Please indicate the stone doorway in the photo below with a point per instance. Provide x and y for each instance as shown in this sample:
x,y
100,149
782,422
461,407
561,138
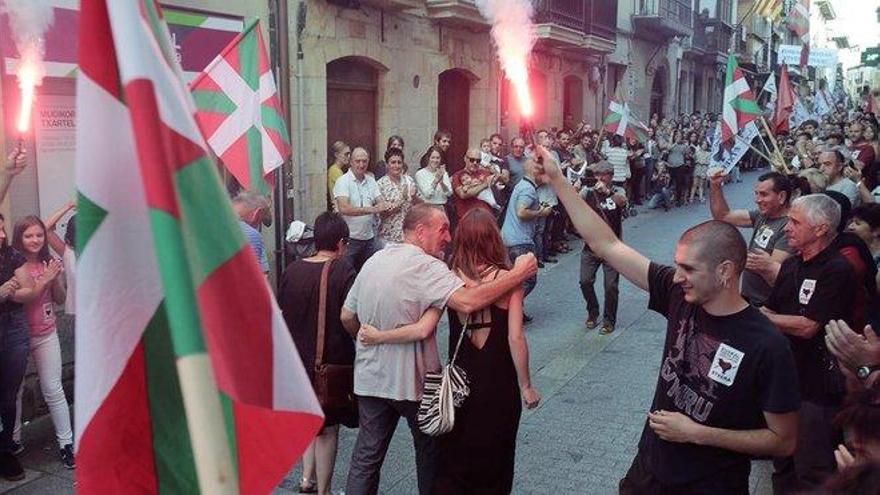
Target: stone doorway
x,y
453,114
658,92
351,104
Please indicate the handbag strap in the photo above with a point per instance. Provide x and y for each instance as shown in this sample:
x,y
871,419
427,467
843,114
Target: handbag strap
x,y
322,313
464,330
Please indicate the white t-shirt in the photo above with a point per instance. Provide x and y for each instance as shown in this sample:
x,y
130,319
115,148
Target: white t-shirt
x,y
360,194
394,288
847,188
618,158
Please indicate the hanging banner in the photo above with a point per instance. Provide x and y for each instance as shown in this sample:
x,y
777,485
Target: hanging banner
x,y
819,57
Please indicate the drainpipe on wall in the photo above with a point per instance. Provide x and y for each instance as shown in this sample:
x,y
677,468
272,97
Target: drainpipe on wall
x,y
301,188
280,58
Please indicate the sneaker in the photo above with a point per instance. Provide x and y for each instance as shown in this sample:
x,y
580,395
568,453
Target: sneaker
x,y
607,328
10,468
67,456
16,447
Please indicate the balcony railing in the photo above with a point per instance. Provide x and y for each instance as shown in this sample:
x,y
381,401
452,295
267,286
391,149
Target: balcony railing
x,y
673,10
664,18
591,17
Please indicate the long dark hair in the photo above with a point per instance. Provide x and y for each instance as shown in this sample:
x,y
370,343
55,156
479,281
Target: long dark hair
x,y
18,236
477,245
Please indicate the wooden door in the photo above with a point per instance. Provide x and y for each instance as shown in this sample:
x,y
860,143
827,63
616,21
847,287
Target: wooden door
x,y
351,105
453,115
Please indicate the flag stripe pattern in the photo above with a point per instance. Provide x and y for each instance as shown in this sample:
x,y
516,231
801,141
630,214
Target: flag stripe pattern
x,y
621,121
239,111
739,107
168,281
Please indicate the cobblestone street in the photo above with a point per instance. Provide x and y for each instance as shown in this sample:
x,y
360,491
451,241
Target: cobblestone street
x,y
596,389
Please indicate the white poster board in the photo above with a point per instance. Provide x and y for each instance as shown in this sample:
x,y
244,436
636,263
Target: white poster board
x,y
55,135
819,57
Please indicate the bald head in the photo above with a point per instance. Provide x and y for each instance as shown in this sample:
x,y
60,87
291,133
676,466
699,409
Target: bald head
x,y
360,160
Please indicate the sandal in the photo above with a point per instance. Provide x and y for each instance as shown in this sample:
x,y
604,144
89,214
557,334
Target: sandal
x,y
308,486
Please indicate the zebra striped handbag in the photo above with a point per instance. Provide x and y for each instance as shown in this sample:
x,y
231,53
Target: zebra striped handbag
x,y
442,393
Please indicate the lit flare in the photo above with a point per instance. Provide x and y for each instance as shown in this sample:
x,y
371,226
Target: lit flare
x,y
27,80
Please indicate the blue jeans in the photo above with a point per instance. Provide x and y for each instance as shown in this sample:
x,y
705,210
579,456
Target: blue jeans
x,y
660,199
516,251
538,240
378,418
14,348
359,251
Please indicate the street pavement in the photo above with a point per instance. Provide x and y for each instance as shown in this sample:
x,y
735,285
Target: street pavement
x,y
596,390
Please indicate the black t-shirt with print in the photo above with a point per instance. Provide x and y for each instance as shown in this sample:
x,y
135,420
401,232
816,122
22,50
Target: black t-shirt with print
x,y
723,372
10,260
820,289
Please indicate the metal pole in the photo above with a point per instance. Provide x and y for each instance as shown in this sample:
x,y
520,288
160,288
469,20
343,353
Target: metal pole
x,y
301,190
280,61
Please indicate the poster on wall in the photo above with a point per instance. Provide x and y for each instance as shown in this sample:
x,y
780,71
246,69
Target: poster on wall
x,y
55,143
198,37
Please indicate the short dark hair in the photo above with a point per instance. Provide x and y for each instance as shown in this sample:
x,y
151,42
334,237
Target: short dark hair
x,y
616,140
394,152
869,213
330,228
418,215
496,135
716,243
393,138
810,122
442,134
70,233
781,183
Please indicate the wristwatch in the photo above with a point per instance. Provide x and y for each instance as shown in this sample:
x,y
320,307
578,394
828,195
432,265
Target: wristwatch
x,y
863,372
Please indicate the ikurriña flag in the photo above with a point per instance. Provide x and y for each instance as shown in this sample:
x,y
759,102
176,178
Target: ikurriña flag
x,y
187,379
239,111
621,121
739,106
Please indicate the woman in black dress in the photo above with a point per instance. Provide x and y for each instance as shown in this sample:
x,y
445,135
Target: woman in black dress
x,y
477,456
298,299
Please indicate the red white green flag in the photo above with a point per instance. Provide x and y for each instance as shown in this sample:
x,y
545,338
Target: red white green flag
x,y
799,24
739,106
187,379
239,111
621,121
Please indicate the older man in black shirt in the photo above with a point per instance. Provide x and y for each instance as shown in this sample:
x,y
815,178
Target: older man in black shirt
x,y
727,388
812,288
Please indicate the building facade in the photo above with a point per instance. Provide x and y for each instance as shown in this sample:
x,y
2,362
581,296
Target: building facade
x,y
377,68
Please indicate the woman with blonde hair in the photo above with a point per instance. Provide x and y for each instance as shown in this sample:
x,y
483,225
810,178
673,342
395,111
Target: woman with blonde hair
x,y
341,160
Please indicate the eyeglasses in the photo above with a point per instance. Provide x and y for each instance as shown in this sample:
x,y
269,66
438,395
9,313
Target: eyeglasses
x,y
473,160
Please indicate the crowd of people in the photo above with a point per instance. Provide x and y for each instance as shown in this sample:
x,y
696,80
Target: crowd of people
x,y
769,349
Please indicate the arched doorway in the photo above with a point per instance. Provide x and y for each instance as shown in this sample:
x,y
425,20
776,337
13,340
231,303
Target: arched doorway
x,y
453,114
658,90
572,99
351,104
538,88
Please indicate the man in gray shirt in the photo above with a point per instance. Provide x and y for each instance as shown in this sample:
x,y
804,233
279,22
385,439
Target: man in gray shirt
x,y
516,160
394,288
832,163
768,247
